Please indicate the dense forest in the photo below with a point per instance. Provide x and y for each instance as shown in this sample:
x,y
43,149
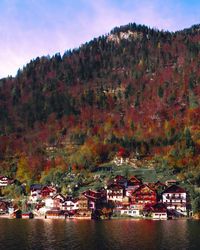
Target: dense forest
x,y
133,91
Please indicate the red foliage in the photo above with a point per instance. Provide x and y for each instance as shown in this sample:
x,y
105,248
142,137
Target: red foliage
x,y
123,153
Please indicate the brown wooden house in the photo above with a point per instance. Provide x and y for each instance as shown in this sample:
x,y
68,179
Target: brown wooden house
x,y
144,195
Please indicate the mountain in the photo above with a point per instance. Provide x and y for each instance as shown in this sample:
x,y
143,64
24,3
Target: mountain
x,y
134,90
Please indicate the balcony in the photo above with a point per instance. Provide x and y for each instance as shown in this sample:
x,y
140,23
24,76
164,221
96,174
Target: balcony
x,y
173,197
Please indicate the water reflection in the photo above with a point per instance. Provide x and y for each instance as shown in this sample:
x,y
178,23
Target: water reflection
x,y
108,234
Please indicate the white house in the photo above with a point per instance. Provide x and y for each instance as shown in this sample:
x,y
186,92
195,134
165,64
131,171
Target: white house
x,y
70,205
175,198
159,211
4,181
127,211
35,193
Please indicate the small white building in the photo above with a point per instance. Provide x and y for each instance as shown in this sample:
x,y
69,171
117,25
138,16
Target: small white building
x,y
35,193
127,211
4,181
159,211
70,205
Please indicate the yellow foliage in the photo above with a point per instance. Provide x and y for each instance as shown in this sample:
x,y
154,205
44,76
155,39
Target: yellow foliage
x,y
108,125
23,175
140,63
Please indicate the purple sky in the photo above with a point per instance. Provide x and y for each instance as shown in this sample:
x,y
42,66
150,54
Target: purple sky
x,y
31,28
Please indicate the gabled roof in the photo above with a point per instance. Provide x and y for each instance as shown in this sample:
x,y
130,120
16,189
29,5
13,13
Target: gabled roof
x,y
174,189
59,196
120,178
133,181
141,187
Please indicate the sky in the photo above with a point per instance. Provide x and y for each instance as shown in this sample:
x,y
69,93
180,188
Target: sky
x,y
32,28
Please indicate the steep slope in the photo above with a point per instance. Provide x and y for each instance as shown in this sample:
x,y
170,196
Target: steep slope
x,y
136,88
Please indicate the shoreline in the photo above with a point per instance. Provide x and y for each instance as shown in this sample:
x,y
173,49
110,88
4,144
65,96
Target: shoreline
x,y
7,216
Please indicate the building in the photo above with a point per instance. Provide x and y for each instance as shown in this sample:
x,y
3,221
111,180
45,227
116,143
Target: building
x,y
144,195
132,184
115,192
54,214
96,199
5,181
35,193
127,211
54,202
70,205
84,210
48,191
116,189
159,211
175,198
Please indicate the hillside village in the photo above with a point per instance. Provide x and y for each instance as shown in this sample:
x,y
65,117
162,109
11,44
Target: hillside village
x,y
121,197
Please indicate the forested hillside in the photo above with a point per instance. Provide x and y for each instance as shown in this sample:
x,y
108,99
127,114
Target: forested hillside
x,y
135,90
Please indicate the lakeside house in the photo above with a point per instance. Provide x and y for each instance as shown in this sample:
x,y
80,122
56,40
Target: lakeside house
x,y
144,195
159,211
175,199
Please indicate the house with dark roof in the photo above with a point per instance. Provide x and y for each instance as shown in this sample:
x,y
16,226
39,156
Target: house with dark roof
x,y
175,198
159,211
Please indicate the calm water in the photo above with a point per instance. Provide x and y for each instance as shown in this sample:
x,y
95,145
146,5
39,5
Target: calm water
x,y
109,234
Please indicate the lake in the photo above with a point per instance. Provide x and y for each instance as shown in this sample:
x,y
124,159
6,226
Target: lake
x,y
106,234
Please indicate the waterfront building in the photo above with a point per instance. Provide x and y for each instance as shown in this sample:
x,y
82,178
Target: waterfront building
x,y
159,211
175,199
144,195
